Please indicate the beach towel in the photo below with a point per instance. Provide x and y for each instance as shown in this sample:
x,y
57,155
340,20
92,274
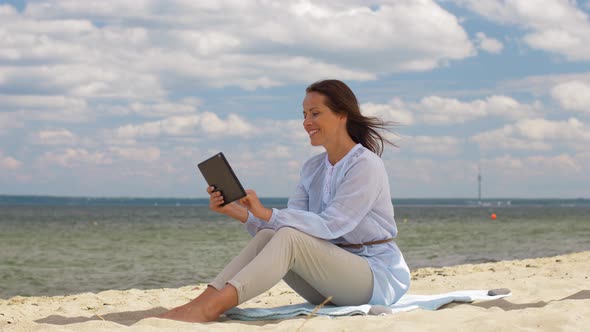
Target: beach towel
x,y
406,303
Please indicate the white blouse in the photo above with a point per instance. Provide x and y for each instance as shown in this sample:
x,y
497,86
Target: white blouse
x,y
348,202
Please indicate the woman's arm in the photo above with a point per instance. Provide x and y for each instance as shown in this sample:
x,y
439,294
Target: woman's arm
x,y
298,201
354,198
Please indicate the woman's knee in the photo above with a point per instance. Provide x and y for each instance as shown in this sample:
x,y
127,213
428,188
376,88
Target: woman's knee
x,y
289,232
265,233
262,238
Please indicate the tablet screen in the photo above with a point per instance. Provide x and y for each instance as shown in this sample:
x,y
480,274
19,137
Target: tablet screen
x,y
218,173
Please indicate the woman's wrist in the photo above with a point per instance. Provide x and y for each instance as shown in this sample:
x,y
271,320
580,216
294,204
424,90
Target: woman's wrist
x,y
240,213
265,214
244,214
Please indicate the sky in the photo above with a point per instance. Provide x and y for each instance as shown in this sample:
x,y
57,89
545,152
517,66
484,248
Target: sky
x,y
124,98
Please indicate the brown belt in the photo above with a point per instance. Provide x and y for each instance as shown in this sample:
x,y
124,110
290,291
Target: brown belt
x,y
358,246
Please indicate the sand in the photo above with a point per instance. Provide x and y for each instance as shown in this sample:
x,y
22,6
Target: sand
x,y
549,294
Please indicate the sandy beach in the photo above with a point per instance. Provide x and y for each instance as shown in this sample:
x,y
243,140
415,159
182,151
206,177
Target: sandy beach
x,y
549,294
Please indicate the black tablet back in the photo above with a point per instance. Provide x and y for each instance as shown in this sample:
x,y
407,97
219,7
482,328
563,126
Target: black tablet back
x,y
218,173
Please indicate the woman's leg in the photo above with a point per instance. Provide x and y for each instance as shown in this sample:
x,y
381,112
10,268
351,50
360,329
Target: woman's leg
x,y
243,258
327,268
303,288
185,312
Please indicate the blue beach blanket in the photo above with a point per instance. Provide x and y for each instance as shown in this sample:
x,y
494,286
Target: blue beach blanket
x,y
406,303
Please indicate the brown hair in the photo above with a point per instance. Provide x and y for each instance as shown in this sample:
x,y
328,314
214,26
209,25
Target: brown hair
x,y
362,129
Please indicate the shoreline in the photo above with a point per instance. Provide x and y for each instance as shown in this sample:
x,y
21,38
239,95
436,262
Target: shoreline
x,y
548,294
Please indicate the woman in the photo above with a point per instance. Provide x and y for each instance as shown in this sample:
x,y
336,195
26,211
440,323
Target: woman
x,y
335,238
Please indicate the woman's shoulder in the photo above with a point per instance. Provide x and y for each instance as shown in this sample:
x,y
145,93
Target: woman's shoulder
x,y
315,161
366,158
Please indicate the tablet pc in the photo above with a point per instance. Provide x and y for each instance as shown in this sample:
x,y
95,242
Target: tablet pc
x,y
218,173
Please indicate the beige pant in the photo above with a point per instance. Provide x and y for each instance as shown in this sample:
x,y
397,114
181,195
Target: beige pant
x,y
314,268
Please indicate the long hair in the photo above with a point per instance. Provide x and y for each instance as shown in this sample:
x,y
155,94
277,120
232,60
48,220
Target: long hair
x,y
362,129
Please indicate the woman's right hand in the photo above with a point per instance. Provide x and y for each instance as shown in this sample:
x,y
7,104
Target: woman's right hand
x,y
232,209
216,200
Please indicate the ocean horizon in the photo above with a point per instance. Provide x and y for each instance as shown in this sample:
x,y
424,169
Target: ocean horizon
x,y
6,199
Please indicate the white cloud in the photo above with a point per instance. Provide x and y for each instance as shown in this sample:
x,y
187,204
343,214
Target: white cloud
x,y
541,84
9,121
487,44
9,163
55,108
443,111
556,26
277,151
75,157
573,95
536,134
20,102
148,154
535,166
139,48
500,139
54,137
433,145
542,129
196,125
436,110
153,109
432,173
285,131
394,111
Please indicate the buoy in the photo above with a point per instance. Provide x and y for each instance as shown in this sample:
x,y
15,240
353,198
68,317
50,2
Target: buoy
x,y
493,216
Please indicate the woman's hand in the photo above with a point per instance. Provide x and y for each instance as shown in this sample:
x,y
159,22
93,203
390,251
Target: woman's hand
x,y
252,203
215,201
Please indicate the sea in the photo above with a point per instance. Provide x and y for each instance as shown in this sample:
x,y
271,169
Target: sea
x,y
69,245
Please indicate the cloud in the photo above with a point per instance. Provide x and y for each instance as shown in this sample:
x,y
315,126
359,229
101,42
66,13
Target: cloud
x,y
434,174
55,108
54,137
557,26
541,84
9,121
571,129
160,109
9,163
20,102
204,123
487,44
72,157
437,110
535,166
500,139
536,134
433,145
112,50
393,111
573,95
148,154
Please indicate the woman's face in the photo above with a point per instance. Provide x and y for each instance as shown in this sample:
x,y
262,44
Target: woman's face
x,y
322,125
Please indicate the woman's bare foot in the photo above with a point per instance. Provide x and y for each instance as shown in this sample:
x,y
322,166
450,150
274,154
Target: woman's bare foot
x,y
190,312
206,308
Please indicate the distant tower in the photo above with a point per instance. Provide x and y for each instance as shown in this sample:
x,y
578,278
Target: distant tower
x,y
479,182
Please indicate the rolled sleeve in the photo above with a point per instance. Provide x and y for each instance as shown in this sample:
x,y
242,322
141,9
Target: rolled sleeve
x,y
253,224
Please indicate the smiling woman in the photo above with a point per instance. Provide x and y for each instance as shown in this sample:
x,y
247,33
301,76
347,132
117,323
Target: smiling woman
x,y
335,240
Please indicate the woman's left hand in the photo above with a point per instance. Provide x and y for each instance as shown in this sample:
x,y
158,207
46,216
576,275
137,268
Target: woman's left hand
x,y
253,204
